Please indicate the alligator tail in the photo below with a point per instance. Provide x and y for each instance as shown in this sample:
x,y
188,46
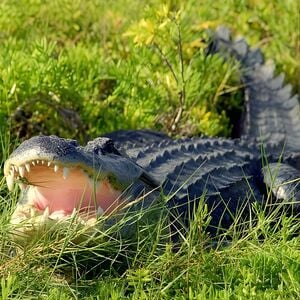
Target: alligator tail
x,y
272,114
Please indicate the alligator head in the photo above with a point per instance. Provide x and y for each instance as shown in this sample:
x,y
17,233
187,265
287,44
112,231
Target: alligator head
x,y
59,177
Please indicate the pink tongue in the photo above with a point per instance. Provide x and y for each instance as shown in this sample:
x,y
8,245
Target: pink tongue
x,y
50,189
62,199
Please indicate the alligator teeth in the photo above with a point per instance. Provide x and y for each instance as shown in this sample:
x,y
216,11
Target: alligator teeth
x,y
73,213
37,162
33,163
27,167
22,186
91,182
100,211
10,181
91,222
22,171
45,215
65,172
57,215
32,212
42,162
56,167
16,168
49,164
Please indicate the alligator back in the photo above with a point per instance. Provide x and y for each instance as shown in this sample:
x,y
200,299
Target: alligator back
x,y
227,173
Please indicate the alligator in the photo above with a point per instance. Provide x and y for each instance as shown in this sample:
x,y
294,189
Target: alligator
x,y
129,170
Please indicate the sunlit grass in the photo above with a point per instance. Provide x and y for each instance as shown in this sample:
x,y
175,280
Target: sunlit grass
x,y
72,68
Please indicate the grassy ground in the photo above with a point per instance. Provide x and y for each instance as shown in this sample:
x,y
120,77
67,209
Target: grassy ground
x,y
81,68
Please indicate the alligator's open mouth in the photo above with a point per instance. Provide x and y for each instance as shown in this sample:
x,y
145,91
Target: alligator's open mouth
x,y
55,191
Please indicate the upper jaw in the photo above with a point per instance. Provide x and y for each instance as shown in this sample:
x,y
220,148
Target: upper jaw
x,y
67,153
18,171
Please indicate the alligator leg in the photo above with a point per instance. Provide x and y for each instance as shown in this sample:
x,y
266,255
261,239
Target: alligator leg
x,y
284,182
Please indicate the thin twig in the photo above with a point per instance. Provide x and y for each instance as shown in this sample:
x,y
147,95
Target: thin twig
x,y
181,63
166,61
182,93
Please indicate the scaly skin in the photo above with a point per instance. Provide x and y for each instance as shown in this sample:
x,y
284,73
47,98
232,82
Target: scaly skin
x,y
230,174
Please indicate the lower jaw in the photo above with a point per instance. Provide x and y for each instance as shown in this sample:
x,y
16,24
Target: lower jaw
x,y
28,212
28,223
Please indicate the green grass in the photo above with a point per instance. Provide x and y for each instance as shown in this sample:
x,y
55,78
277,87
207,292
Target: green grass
x,y
82,68
262,261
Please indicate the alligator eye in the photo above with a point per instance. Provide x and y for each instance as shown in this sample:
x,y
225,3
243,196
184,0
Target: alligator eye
x,y
72,142
102,146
